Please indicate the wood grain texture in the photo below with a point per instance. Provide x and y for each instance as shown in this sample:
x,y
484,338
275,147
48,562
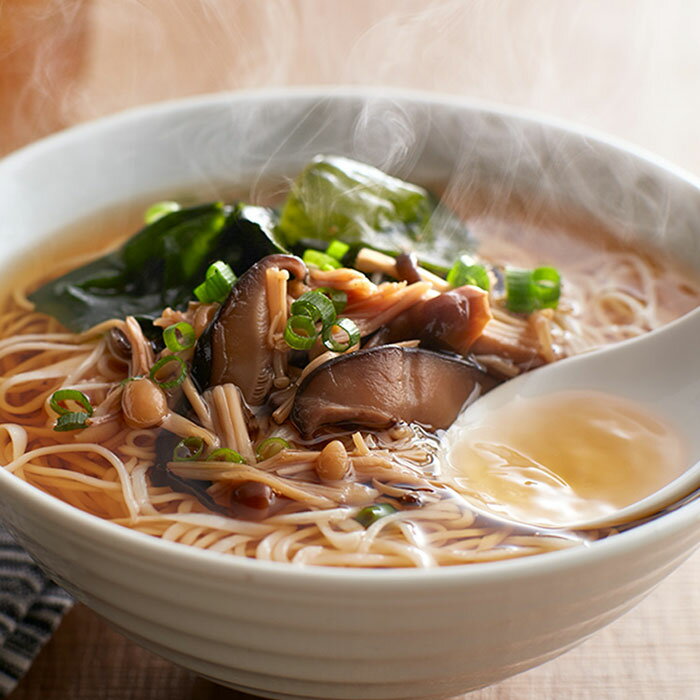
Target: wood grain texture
x,y
630,68
652,653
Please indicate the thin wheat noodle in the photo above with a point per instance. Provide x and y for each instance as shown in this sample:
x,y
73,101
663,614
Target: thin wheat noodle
x,y
600,303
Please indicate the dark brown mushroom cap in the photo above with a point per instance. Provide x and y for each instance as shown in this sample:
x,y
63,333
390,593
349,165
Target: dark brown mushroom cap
x,y
234,346
450,321
407,267
378,387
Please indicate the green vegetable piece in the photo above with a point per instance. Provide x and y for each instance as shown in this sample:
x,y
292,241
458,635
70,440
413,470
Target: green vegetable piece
x,y
58,397
300,333
176,378
520,295
71,421
337,249
315,305
160,265
224,454
335,198
188,449
530,290
466,271
370,514
337,296
349,327
179,337
159,210
548,284
217,285
315,258
270,447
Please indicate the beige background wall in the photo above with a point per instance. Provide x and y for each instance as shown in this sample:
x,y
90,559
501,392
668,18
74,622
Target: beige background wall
x,y
631,67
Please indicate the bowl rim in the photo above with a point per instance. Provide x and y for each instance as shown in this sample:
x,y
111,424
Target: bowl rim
x,y
584,555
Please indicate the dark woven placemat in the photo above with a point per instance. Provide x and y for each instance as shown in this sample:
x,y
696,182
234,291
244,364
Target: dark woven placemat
x,y
31,606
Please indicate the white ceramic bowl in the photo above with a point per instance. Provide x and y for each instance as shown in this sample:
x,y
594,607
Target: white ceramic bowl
x,y
288,632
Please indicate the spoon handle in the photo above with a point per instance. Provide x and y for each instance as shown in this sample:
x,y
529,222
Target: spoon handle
x,y
660,369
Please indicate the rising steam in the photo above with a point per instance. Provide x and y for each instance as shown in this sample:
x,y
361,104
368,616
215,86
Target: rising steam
x,y
616,66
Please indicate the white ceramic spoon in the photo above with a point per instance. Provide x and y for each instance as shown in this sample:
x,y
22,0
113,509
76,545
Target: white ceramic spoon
x,y
659,370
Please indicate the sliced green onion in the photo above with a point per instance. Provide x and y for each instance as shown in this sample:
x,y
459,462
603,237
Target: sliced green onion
x,y
466,271
201,291
62,395
548,283
370,514
529,290
224,454
337,296
124,382
349,327
520,297
71,421
292,332
177,379
337,249
315,305
159,210
188,449
218,283
316,258
270,447
179,337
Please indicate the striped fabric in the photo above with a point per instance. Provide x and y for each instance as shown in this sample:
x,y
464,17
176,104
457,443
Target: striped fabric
x,y
31,606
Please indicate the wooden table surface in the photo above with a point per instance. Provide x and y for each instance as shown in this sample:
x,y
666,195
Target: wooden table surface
x,y
630,68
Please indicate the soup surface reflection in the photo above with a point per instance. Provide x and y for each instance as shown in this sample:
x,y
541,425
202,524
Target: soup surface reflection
x,y
564,458
296,415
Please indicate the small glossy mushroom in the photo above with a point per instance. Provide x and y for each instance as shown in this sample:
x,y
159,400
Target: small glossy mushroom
x,y
118,345
407,267
449,321
332,464
252,500
378,387
144,404
234,347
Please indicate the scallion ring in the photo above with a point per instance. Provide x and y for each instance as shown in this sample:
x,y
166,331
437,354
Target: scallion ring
x,y
62,395
547,281
349,327
337,249
71,421
520,296
370,514
179,337
315,305
224,454
125,381
270,447
217,284
188,449
337,296
529,290
177,379
315,258
296,326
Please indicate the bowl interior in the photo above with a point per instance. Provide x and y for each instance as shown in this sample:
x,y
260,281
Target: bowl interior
x,y
257,141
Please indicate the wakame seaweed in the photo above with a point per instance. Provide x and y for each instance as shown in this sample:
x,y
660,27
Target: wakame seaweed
x,y
160,265
336,198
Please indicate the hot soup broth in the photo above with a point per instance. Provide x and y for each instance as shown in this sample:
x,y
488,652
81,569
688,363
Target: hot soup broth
x,y
291,408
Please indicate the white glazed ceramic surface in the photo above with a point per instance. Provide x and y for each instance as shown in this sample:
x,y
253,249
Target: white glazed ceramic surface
x,y
288,632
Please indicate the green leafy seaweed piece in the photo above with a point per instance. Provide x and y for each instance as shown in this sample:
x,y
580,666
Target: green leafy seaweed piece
x,y
160,265
336,198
